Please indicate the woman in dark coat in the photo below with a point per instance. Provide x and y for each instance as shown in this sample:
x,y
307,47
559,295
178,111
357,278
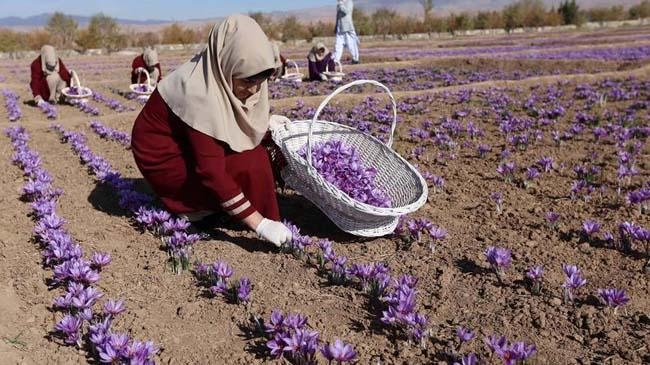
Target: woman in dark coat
x,y
197,141
148,60
48,76
320,59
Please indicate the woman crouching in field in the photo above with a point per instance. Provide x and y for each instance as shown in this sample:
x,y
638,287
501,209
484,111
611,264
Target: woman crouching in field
x,y
197,141
48,76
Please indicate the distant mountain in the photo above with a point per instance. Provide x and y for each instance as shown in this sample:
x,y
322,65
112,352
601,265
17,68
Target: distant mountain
x,y
41,20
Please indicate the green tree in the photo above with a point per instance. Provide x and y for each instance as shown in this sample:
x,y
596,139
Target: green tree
x,y
266,23
383,19
362,22
176,34
62,29
10,41
102,32
292,29
569,11
640,11
458,22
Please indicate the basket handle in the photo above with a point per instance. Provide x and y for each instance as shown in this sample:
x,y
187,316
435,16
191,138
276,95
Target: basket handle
x,y
74,79
340,90
294,65
340,66
144,71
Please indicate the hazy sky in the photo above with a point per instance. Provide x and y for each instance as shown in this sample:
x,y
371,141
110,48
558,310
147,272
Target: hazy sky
x,y
152,9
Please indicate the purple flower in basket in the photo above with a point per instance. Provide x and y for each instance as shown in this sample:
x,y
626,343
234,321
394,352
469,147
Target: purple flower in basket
x,y
143,88
341,166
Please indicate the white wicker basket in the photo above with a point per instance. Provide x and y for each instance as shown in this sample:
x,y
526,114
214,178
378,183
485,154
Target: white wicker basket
x,y
395,176
334,75
83,93
149,87
295,77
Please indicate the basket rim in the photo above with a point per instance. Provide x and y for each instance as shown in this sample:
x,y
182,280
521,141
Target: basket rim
x,y
341,195
134,86
88,92
333,73
292,75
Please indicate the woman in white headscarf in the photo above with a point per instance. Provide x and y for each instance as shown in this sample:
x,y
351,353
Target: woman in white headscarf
x,y
148,60
49,76
319,59
197,141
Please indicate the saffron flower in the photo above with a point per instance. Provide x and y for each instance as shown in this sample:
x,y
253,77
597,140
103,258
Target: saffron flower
x,y
464,335
499,259
470,359
498,200
590,227
339,351
572,282
614,297
536,275
113,308
551,219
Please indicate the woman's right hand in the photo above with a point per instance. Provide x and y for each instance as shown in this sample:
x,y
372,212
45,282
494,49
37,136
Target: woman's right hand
x,y
278,120
274,232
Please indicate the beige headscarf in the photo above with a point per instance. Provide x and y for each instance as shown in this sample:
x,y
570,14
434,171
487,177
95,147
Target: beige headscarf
x,y
313,54
200,91
48,56
150,57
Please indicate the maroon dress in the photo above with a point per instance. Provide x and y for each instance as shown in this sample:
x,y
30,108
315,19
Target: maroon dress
x,y
140,78
191,171
38,82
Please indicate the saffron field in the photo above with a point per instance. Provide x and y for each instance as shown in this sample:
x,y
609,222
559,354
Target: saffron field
x,y
533,247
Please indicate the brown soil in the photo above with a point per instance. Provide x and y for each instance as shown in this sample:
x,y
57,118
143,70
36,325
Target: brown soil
x,y
456,286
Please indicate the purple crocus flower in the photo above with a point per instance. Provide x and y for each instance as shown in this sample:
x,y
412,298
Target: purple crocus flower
x,y
614,297
222,270
590,227
498,200
499,259
244,290
536,276
100,259
464,334
573,281
113,308
552,218
70,326
339,351
470,359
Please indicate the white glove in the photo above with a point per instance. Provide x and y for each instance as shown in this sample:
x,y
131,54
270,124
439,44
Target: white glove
x,y
38,100
323,77
138,70
273,231
278,120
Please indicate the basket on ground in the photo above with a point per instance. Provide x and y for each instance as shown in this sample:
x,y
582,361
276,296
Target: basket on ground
x,y
296,76
403,184
143,90
334,75
75,92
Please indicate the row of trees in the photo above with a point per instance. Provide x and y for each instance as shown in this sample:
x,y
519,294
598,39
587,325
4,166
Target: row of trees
x,y
104,32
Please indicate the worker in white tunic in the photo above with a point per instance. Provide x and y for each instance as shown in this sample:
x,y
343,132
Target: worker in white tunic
x,y
346,36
